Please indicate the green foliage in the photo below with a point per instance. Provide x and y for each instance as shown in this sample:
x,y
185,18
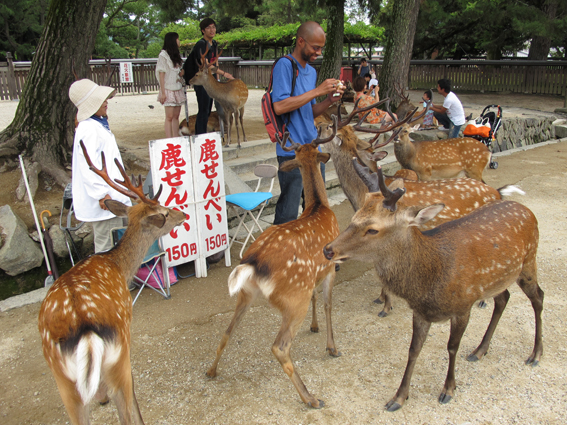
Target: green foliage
x,y
21,23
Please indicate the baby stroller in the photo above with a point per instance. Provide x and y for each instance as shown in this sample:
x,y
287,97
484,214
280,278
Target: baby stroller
x,y
485,127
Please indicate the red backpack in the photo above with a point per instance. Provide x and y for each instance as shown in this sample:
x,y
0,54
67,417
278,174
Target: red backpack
x,y
275,124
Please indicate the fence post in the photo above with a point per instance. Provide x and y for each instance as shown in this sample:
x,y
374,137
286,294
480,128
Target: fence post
x,y
11,78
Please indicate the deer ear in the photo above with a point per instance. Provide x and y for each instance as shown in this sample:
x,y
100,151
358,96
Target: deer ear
x,y
414,128
425,214
292,164
396,184
117,208
157,220
323,157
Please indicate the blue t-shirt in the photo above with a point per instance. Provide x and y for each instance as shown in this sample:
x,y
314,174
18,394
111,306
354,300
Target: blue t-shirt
x,y
300,124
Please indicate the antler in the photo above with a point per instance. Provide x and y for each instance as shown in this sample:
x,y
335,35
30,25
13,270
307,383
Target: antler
x,y
376,182
400,91
283,142
357,110
132,190
384,128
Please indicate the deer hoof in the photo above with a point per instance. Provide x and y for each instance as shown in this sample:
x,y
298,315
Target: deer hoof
x,y
472,358
482,304
445,398
392,406
378,301
382,314
211,373
314,329
319,406
532,361
334,352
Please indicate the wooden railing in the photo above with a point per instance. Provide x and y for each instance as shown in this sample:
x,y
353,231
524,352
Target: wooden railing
x,y
515,76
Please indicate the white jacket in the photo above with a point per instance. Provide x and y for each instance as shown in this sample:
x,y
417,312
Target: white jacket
x,y
172,78
89,188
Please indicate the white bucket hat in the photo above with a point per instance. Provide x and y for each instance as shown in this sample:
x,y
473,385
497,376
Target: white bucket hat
x,y
88,97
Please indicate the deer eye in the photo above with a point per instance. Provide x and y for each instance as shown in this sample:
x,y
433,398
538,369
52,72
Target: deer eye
x,y
371,232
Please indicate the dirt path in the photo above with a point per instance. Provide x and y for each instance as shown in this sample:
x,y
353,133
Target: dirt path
x,y
173,344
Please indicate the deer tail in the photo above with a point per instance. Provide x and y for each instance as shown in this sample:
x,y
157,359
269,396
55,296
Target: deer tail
x,y
240,278
89,354
510,189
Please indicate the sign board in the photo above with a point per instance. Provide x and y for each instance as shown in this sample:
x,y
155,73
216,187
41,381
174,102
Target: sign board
x,y
190,171
126,75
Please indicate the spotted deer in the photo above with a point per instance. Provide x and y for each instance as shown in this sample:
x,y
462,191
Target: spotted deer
x,y
440,159
460,196
84,321
189,129
231,95
442,272
286,264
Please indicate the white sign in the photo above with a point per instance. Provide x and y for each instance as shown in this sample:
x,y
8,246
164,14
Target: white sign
x,y
190,171
126,75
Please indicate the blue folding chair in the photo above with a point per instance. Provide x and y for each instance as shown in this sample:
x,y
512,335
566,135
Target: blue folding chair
x,y
252,202
152,258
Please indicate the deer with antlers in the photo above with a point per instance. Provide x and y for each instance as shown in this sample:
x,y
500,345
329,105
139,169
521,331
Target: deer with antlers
x,y
460,196
231,95
286,264
444,271
441,159
84,321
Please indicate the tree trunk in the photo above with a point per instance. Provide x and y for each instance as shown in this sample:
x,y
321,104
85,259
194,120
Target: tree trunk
x,y
333,57
540,44
44,122
399,45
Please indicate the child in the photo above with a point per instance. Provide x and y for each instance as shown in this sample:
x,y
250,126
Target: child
x,y
428,118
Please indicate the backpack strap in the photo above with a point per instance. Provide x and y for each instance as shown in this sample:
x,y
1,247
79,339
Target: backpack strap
x,y
295,73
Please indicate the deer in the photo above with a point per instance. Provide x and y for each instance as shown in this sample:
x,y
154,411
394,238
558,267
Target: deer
x,y
442,272
405,106
84,320
231,95
286,263
460,196
441,159
189,129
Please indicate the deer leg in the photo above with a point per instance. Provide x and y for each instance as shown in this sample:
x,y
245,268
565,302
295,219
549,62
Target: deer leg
x,y
77,411
241,115
314,322
242,304
387,303
102,394
458,326
328,299
124,397
236,119
228,122
420,330
528,284
291,321
500,302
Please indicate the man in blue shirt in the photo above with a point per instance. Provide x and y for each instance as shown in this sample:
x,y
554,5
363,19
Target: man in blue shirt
x,y
301,109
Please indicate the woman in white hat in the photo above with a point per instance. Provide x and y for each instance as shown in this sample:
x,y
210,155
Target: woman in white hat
x,y
169,73
89,190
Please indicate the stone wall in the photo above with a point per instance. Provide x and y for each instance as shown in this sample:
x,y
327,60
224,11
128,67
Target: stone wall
x,y
518,132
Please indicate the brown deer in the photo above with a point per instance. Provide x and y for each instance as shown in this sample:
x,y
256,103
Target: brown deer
x,y
286,264
189,129
441,159
405,106
460,196
84,321
444,271
231,95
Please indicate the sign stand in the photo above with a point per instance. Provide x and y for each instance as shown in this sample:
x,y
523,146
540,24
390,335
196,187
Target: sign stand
x,y
191,173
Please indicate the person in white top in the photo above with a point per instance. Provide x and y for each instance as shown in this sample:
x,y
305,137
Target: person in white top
x,y
451,115
169,73
90,190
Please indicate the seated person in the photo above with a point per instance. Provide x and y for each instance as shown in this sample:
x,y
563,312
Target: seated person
x,y
376,115
371,84
428,118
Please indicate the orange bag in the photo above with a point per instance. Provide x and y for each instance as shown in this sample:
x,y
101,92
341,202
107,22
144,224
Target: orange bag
x,y
474,128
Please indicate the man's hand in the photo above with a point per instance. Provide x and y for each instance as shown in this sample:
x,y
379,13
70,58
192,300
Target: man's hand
x,y
101,202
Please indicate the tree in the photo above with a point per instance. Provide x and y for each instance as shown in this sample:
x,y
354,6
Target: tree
x,y
333,56
21,22
399,42
43,126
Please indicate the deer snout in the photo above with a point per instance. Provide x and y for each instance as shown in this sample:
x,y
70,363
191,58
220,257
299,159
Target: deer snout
x,y
328,252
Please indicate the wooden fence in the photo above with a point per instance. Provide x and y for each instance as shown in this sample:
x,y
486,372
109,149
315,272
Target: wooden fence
x,y
515,76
